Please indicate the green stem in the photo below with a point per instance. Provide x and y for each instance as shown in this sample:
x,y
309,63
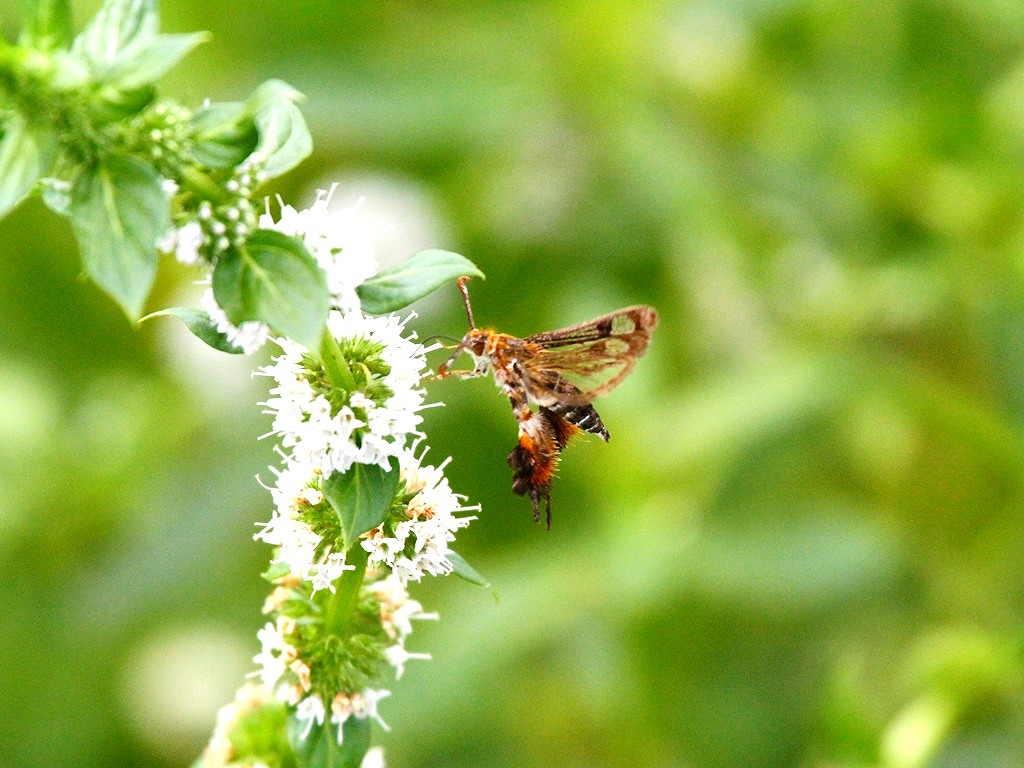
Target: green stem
x,y
335,364
342,603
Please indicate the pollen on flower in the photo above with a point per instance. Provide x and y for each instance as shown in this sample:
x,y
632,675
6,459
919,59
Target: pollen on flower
x,y
358,705
418,544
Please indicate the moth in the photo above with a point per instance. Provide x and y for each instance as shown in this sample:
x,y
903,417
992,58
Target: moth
x,y
551,379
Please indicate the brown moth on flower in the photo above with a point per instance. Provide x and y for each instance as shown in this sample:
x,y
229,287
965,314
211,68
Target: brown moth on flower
x,y
561,372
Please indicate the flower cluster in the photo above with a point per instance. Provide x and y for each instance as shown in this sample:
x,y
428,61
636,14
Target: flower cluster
x,y
346,417
328,427
416,542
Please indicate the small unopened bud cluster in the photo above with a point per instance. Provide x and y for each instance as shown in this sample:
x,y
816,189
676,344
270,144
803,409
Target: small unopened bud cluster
x,y
227,225
163,133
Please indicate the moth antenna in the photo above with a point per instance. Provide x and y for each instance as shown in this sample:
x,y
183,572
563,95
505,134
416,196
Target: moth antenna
x,y
465,298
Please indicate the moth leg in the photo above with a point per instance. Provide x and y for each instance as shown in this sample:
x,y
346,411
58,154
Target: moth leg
x,y
462,374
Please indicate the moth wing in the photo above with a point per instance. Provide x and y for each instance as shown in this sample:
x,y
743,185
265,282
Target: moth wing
x,y
575,365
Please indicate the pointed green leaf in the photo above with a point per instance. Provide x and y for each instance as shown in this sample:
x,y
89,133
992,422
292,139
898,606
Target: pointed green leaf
x,y
224,134
420,274
46,24
320,748
119,210
149,63
267,127
284,139
118,26
202,326
273,278
271,92
467,572
362,497
56,195
26,153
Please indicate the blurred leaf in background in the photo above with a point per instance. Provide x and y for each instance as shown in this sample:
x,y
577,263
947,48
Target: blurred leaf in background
x,y
802,545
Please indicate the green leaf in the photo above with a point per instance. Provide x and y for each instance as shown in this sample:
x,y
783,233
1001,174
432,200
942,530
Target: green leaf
x,y
269,93
111,104
224,134
56,195
267,128
284,139
46,24
26,153
362,497
149,63
273,278
420,274
467,572
119,210
118,26
203,328
320,747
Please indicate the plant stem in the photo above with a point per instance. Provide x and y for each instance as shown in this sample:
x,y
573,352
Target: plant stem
x,y
342,603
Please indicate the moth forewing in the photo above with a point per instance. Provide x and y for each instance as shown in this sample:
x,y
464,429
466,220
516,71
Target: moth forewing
x,y
595,356
631,320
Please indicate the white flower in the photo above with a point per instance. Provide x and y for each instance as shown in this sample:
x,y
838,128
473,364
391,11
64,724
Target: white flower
x,y
250,336
397,656
275,654
358,705
310,710
374,759
340,242
397,609
430,528
296,541
185,242
315,437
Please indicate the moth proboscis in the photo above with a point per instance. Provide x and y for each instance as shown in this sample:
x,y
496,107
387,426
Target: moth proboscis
x,y
561,373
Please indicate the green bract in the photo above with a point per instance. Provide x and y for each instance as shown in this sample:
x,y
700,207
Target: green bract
x,y
420,274
362,497
119,212
202,326
273,278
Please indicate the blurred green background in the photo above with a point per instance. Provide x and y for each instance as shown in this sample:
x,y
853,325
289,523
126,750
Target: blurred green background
x,y
802,546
